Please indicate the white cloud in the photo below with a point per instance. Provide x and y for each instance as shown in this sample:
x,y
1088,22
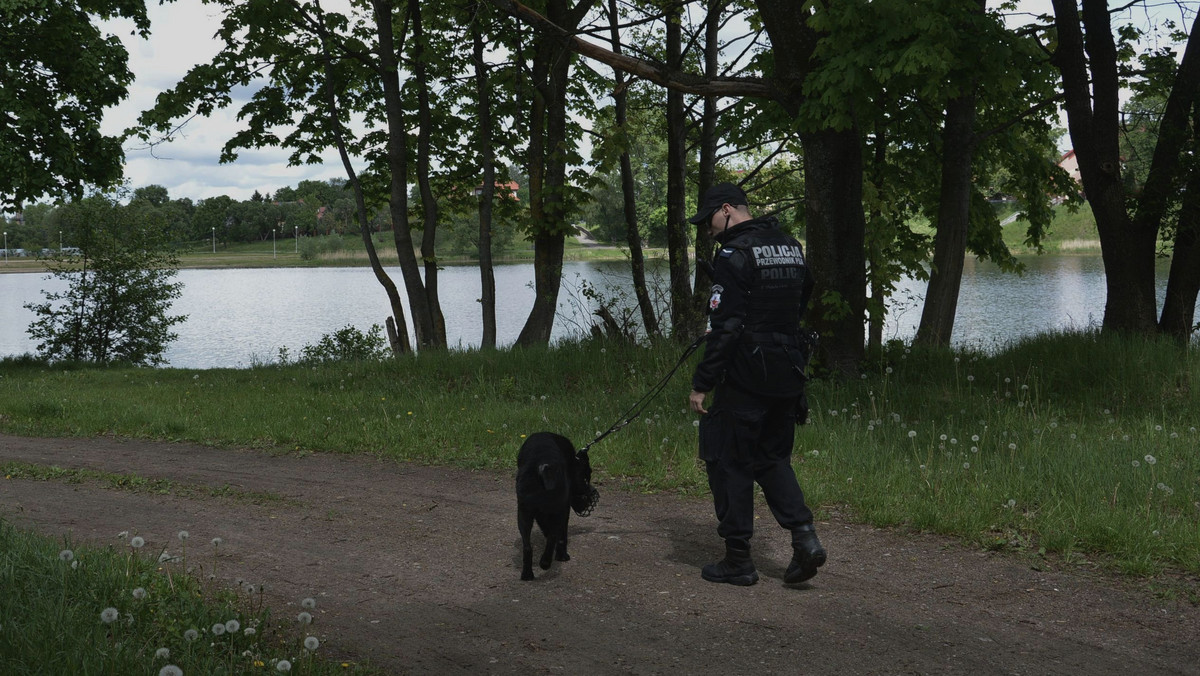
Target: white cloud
x,y
182,35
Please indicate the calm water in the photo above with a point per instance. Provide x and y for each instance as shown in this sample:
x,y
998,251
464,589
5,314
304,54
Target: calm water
x,y
237,317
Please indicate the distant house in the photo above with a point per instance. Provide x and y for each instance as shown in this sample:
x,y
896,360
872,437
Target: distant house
x,y
1070,164
510,187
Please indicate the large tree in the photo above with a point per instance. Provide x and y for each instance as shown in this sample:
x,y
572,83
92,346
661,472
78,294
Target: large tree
x,y
1092,55
59,72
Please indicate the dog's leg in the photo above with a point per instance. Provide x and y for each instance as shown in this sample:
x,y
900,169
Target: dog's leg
x,y
560,551
525,525
548,529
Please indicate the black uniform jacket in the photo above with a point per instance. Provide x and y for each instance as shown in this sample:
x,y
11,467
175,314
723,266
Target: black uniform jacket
x,y
760,288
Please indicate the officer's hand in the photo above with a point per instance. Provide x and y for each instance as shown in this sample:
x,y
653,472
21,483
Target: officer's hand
x,y
696,401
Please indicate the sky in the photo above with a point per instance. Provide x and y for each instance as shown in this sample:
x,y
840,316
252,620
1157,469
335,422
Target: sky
x,y
182,36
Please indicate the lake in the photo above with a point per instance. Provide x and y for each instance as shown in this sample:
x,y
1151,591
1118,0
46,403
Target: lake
x,y
237,317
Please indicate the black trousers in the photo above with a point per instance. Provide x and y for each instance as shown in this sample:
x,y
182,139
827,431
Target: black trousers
x,y
746,439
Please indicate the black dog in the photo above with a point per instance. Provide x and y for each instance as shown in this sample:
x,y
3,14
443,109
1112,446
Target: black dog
x,y
551,481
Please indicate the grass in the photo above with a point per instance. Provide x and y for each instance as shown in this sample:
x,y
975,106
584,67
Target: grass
x,y
1069,232
115,610
1075,445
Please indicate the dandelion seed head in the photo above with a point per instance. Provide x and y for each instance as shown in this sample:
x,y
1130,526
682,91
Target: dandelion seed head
x,y
232,626
942,437
1012,447
870,428
284,665
139,593
974,449
1136,463
1174,435
183,535
75,564
912,434
888,370
109,615
970,378
66,555
1124,437
695,423
312,643
217,542
304,618
170,670
975,437
1150,459
217,629
137,542
966,465
1073,436
249,631
191,635
162,653
1158,428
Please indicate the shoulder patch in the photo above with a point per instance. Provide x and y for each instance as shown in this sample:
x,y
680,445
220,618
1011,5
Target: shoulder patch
x,y
714,301
726,252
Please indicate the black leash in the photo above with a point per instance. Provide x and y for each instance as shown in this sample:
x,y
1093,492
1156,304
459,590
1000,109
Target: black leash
x,y
640,405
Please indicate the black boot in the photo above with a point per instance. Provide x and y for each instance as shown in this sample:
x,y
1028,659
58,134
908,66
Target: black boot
x,y
808,555
735,568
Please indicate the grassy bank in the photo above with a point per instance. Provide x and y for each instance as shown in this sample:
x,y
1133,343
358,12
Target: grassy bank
x,y
117,610
1072,445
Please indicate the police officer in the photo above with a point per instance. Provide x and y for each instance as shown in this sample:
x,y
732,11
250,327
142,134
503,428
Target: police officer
x,y
754,363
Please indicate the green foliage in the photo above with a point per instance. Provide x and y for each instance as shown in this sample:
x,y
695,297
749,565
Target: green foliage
x,y
346,344
58,596
312,248
60,74
119,293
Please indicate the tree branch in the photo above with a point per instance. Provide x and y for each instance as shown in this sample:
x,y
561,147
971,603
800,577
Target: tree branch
x,y
648,70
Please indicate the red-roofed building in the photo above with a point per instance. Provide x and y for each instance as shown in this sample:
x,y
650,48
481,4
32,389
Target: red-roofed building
x,y
510,187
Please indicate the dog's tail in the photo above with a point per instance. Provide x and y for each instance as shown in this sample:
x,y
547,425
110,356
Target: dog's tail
x,y
549,476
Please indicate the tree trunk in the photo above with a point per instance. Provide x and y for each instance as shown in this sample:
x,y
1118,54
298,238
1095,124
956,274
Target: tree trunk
x,y
397,159
1093,120
954,211
685,321
876,274
706,175
1183,282
637,260
548,168
398,338
833,181
429,207
836,244
487,154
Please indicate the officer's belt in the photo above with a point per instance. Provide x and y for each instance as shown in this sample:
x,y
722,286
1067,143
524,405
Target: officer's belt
x,y
771,338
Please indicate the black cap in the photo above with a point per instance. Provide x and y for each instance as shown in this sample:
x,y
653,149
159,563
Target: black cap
x,y
716,197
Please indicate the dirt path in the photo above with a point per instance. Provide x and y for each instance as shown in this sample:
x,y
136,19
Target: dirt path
x,y
416,569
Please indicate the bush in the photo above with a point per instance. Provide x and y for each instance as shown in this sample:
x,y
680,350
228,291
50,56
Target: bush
x,y
345,344
119,288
